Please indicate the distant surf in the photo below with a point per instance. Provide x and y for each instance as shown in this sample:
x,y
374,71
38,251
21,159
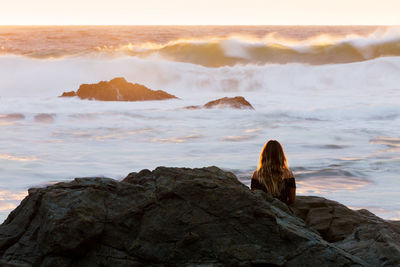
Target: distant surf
x,y
217,47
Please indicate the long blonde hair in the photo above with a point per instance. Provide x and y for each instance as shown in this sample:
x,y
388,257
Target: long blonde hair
x,y
271,167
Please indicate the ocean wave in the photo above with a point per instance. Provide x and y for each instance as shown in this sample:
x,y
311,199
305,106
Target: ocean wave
x,y
234,49
26,77
231,51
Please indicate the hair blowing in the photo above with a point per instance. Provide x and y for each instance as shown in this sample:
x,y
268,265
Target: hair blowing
x,y
271,167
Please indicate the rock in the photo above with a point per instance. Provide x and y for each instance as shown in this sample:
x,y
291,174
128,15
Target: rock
x,y
68,94
118,89
165,217
360,233
193,107
237,102
231,102
12,117
331,219
44,118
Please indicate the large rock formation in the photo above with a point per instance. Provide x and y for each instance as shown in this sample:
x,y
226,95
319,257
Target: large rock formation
x,y
360,233
165,217
117,89
237,102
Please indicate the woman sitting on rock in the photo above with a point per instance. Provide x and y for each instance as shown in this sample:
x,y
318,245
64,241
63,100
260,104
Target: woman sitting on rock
x,y
273,174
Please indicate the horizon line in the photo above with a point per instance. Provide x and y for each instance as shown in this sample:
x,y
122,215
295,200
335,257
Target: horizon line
x,y
199,25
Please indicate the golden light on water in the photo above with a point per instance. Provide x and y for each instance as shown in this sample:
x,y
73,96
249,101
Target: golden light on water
x,y
17,158
9,199
204,12
320,185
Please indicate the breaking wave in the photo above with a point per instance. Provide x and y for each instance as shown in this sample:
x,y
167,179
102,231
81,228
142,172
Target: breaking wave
x,y
217,51
240,50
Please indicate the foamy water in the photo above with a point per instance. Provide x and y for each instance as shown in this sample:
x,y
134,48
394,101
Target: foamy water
x,y
338,123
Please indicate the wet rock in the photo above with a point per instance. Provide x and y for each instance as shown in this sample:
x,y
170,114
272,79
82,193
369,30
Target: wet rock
x,y
68,94
165,217
12,117
238,102
193,107
44,118
118,89
360,233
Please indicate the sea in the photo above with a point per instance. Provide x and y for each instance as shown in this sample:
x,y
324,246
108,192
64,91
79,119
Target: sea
x,y
329,94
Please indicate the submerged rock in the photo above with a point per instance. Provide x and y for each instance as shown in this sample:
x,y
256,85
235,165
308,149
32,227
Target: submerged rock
x,y
169,216
44,118
237,102
118,89
12,117
193,107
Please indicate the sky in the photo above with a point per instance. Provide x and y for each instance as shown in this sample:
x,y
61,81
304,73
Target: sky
x,y
199,12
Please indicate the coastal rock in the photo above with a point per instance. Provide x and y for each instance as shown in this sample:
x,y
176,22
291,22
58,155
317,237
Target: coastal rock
x,y
237,102
68,94
232,102
193,107
12,117
331,219
118,89
44,118
165,217
360,233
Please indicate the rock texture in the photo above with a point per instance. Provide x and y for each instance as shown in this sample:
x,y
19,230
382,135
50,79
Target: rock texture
x,y
360,233
117,89
68,94
165,217
232,102
237,102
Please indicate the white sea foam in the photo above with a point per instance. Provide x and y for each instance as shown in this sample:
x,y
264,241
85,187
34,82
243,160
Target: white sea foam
x,y
24,77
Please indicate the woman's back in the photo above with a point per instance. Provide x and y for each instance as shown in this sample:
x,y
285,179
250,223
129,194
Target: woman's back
x,y
288,185
273,175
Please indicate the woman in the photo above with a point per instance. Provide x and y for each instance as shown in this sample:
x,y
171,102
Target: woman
x,y
273,174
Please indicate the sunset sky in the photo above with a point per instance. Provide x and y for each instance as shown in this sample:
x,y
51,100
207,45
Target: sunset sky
x,y
199,12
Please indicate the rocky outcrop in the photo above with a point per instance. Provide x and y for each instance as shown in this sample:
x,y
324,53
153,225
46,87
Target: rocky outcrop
x,y
117,89
360,233
232,102
11,117
68,94
237,102
45,118
165,217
